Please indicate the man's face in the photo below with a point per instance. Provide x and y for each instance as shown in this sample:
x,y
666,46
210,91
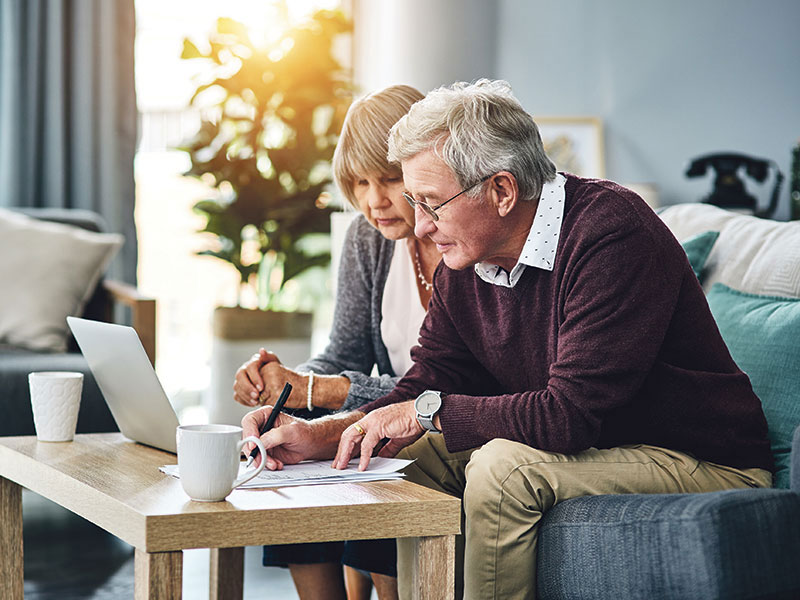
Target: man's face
x,y
467,231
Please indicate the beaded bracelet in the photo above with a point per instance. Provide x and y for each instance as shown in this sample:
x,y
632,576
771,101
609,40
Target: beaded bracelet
x,y
309,404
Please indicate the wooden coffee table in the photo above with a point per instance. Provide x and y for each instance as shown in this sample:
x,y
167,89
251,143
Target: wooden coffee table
x,y
116,484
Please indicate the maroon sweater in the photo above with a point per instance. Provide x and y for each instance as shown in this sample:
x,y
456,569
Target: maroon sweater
x,y
615,346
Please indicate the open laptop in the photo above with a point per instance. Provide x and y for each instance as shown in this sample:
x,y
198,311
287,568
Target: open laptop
x,y
128,381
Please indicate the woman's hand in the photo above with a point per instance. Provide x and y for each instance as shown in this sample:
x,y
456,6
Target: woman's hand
x,y
260,380
328,391
248,384
275,376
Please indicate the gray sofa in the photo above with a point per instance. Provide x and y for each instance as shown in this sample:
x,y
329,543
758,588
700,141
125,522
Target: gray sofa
x,y
16,363
728,544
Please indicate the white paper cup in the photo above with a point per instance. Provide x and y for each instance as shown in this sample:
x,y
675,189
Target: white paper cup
x,y
55,400
208,460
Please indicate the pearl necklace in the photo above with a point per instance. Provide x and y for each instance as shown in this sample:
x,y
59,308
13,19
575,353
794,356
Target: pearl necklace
x,y
425,283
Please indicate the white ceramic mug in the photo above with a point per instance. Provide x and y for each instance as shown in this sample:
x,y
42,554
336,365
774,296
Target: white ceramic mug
x,y
208,460
55,400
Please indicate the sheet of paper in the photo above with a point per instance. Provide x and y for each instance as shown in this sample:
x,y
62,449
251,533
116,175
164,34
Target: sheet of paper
x,y
316,472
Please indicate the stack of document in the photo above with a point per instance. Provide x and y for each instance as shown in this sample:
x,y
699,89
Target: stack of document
x,y
316,472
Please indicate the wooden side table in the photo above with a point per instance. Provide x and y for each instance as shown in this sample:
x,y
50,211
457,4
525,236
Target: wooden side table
x,y
115,484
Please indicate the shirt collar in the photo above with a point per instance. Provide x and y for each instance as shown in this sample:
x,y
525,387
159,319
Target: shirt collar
x,y
540,247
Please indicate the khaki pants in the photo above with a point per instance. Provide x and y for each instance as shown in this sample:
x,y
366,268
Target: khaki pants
x,y
507,486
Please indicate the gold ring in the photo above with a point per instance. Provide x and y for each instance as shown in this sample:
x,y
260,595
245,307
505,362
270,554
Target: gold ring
x,y
359,429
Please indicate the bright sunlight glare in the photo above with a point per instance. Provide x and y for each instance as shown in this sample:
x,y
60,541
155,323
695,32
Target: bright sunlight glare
x,y
187,286
162,82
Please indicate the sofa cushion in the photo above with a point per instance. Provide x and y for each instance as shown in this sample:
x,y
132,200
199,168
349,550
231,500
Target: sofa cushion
x,y
763,336
48,271
729,544
697,249
751,254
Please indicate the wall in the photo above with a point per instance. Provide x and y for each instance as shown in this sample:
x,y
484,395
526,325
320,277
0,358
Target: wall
x,y
670,80
424,43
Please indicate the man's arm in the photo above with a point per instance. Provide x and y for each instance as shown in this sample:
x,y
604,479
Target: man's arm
x,y
396,423
448,365
442,361
292,440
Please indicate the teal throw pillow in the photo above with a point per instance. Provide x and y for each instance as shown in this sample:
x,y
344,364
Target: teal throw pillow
x,y
697,249
763,336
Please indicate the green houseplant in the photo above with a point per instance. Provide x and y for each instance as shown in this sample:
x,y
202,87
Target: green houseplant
x,y
271,119
265,144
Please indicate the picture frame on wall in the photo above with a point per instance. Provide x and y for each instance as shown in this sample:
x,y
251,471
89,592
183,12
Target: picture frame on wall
x,y
574,144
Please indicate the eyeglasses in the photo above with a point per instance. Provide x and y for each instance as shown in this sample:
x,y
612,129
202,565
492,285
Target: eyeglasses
x,y
431,210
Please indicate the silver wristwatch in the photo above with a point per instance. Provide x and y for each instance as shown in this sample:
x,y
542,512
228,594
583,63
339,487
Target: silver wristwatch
x,y
427,405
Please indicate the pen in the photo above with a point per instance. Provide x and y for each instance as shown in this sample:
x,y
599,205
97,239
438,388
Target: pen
x,y
287,389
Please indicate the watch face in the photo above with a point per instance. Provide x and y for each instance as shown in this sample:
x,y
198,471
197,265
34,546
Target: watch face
x,y
428,403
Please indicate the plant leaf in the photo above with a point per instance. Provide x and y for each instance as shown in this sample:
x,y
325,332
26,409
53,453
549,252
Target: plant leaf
x,y
226,25
267,143
190,50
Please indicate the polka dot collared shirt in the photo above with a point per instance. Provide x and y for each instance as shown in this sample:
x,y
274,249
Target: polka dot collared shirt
x,y
540,248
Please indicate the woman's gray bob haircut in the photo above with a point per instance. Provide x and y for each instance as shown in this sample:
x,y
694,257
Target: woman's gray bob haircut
x,y
477,129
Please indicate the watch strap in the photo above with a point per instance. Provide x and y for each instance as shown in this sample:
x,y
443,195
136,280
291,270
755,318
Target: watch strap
x,y
427,424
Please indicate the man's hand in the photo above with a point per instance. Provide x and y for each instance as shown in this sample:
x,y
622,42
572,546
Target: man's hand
x,y
288,442
397,422
248,383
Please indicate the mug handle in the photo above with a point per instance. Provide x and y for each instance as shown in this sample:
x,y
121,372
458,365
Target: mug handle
x,y
250,473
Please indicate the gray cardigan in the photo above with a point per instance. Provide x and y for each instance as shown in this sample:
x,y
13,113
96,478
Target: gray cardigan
x,y
355,342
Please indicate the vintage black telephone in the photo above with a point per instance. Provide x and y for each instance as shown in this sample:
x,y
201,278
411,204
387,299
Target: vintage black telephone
x,y
729,190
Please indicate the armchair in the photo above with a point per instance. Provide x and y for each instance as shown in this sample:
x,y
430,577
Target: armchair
x,y
17,362
730,544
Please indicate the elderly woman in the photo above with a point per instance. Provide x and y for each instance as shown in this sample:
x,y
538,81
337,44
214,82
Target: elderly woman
x,y
383,291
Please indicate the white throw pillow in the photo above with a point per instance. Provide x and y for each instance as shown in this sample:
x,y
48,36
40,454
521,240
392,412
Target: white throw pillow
x,y
752,255
47,272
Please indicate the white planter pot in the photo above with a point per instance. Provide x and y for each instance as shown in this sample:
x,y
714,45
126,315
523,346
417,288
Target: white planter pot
x,y
238,334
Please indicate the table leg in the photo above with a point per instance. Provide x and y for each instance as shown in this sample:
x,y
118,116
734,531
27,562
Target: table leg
x,y
158,575
226,581
435,575
11,565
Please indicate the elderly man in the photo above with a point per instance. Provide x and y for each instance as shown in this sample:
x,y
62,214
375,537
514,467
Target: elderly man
x,y
568,348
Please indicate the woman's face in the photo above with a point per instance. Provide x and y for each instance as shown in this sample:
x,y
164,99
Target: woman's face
x,y
380,198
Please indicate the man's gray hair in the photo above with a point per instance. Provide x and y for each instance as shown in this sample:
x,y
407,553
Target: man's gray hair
x,y
476,129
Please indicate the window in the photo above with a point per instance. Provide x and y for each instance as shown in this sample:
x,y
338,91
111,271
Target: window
x,y
187,287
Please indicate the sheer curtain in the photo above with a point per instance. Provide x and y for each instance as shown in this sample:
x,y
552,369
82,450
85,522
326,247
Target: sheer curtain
x,y
68,117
